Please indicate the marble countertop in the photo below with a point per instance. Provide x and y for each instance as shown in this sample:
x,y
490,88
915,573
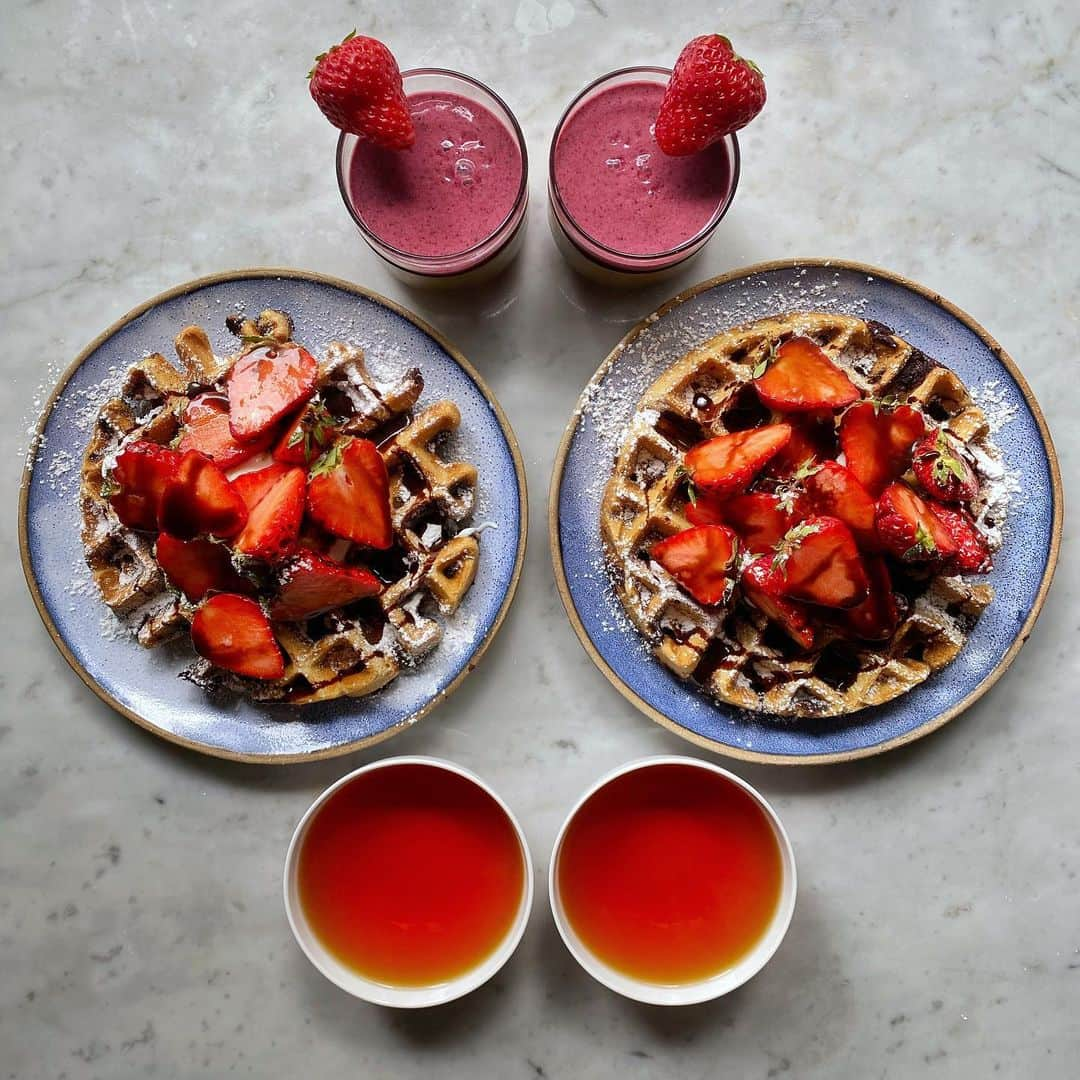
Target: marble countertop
x,y
141,925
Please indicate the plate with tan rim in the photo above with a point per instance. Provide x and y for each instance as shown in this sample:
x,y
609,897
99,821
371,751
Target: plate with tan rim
x,y
1023,567
142,684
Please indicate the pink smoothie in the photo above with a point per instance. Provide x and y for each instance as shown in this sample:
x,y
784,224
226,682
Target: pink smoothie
x,y
620,188
448,192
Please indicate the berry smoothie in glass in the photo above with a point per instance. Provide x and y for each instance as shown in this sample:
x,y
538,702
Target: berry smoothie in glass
x,y
621,210
451,207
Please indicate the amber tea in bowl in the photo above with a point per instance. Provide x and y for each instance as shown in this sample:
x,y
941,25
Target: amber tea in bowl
x,y
408,882
672,881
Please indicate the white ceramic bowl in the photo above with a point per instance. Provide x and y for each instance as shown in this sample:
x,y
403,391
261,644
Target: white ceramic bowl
x,y
705,989
402,997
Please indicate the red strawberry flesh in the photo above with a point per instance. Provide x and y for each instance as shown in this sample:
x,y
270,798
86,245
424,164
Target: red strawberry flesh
x,y
252,486
311,585
942,470
705,508
877,442
349,494
264,385
142,472
801,378
233,633
820,564
274,524
761,518
833,491
811,440
972,555
198,567
763,584
726,464
206,429
909,529
876,618
307,437
700,560
199,500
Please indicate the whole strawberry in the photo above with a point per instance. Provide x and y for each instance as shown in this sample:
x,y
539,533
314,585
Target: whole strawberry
x,y
711,93
357,86
942,469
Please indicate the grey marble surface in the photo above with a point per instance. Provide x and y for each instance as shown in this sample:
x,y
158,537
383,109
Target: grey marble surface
x,y
141,926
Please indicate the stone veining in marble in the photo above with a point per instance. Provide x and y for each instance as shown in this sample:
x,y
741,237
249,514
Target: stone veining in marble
x,y
141,925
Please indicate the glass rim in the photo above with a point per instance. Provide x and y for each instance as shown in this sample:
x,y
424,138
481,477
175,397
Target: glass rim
x,y
393,254
553,188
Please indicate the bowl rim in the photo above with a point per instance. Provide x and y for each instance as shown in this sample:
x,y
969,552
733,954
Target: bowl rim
x,y
715,986
402,997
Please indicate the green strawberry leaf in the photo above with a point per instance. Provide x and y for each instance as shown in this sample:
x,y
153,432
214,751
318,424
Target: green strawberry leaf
x,y
791,540
260,341
924,543
331,460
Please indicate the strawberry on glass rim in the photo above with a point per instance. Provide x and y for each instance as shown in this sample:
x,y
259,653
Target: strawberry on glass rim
x,y
357,86
712,93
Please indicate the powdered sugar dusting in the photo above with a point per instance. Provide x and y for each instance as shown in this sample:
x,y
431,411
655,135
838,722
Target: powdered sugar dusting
x,y
993,399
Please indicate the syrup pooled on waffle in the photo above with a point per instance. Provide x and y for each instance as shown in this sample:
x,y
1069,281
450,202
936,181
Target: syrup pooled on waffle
x,y
297,517
798,513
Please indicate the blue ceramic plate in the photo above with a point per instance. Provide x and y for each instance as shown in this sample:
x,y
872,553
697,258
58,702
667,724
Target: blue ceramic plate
x,y
142,683
1023,567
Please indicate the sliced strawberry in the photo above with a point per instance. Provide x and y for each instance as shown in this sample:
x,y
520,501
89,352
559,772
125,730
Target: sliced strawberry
x,y
942,470
763,585
700,560
307,437
760,518
811,440
137,482
233,633
197,567
877,617
311,585
877,442
703,508
819,563
206,429
349,493
726,464
266,384
801,378
909,529
972,555
252,486
274,523
199,500
833,491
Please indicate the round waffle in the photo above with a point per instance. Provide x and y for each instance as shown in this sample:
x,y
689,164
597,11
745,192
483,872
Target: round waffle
x,y
731,650
428,570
